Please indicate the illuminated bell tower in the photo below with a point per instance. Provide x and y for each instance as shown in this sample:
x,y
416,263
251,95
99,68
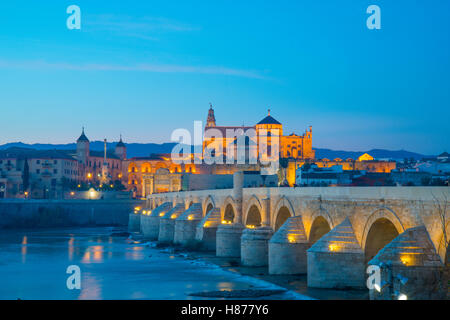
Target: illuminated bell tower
x,y
211,120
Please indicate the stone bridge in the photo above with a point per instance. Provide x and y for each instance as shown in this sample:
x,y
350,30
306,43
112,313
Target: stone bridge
x,y
330,233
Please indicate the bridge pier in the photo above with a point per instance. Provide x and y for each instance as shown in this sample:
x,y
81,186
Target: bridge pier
x,y
336,260
207,229
255,246
134,222
228,236
167,223
150,222
186,224
409,265
287,248
228,240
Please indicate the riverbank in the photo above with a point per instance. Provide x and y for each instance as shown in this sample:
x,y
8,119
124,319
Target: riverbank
x,y
31,213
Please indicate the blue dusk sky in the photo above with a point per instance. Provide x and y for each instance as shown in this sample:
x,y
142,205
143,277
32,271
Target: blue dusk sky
x,y
145,68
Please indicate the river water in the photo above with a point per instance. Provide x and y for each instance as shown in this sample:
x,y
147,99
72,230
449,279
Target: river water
x,y
33,265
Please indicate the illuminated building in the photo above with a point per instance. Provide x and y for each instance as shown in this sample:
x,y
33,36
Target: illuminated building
x,y
291,146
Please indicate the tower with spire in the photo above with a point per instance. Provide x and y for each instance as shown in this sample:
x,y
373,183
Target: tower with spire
x,y
83,148
121,149
211,120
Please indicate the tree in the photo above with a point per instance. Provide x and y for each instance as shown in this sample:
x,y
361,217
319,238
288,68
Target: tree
x,y
118,185
26,176
441,207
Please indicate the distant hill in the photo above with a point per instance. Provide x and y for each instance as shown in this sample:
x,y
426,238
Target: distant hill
x,y
133,149
145,149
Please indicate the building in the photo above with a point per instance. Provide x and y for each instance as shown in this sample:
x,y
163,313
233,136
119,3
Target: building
x,y
99,166
223,138
52,173
364,163
333,176
46,174
37,173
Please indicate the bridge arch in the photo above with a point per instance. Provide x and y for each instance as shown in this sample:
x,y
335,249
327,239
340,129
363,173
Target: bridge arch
x,y
253,214
208,204
321,223
253,217
382,226
319,227
176,200
282,215
283,210
228,211
188,202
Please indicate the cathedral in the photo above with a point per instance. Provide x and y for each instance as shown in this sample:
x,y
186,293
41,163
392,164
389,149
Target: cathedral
x,y
290,146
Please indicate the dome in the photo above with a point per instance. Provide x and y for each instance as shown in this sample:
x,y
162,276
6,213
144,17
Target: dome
x,y
269,120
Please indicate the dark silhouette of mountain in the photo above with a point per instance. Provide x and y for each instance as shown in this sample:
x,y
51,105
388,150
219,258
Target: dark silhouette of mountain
x,y
133,149
146,149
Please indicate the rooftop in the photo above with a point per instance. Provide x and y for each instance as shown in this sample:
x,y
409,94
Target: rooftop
x,y
269,120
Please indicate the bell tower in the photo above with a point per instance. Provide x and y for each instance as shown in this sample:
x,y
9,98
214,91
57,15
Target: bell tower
x,y
83,148
121,149
211,120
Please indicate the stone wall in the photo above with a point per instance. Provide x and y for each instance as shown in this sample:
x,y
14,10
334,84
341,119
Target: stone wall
x,y
64,213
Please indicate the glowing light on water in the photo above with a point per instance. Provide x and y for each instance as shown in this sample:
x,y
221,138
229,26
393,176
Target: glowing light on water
x,y
24,249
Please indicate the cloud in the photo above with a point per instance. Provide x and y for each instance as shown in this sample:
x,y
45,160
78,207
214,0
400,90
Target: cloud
x,y
153,68
147,28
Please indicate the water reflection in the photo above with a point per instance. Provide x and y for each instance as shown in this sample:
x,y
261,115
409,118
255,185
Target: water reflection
x,y
134,253
93,254
24,249
70,248
111,268
226,285
90,288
